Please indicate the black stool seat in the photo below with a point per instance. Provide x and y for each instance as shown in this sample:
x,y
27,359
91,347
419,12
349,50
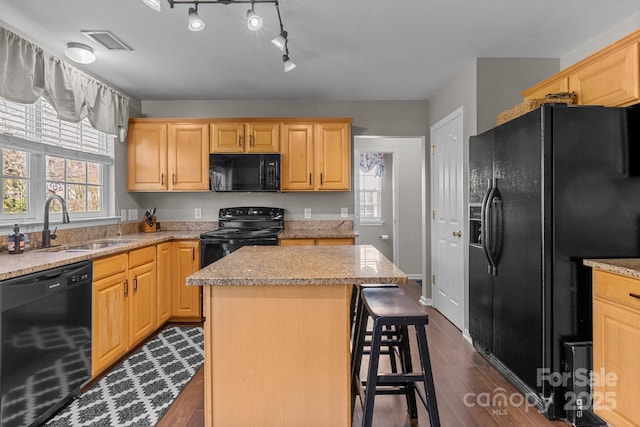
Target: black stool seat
x,y
391,307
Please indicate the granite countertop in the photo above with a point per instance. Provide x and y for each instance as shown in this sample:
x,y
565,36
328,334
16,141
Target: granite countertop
x,y
300,265
625,266
310,233
35,260
322,229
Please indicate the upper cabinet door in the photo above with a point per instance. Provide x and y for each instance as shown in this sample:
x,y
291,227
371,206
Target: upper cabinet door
x,y
333,157
227,137
262,137
188,156
147,157
612,81
296,167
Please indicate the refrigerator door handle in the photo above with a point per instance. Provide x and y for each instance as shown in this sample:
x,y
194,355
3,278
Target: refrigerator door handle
x,y
485,215
496,224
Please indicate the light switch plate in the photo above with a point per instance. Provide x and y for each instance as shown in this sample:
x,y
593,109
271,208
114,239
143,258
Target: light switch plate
x,y
198,213
133,214
344,212
307,213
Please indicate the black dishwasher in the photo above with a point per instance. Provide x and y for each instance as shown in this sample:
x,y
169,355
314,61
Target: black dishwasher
x,y
45,346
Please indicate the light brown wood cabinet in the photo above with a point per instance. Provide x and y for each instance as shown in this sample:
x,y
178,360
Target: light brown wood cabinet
x,y
110,311
317,242
163,283
142,294
316,156
123,304
616,346
245,137
168,155
609,77
186,300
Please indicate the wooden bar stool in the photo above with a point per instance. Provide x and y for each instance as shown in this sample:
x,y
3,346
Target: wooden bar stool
x,y
391,344
391,307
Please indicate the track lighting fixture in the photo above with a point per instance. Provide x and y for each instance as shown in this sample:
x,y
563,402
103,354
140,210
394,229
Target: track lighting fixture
x,y
288,64
153,4
254,21
195,23
280,41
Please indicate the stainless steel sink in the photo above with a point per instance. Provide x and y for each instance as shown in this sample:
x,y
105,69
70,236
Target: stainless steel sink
x,y
95,245
84,247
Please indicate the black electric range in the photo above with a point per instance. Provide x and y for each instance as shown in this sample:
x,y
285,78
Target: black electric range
x,y
238,227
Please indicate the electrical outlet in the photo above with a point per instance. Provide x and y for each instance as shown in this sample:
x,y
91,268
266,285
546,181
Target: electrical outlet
x,y
344,212
198,213
307,213
123,215
133,214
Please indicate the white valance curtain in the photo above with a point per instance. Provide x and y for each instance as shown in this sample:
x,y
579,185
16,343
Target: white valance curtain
x,y
369,161
27,73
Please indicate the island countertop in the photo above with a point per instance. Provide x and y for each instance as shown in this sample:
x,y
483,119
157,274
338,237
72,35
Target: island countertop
x,y
624,266
300,265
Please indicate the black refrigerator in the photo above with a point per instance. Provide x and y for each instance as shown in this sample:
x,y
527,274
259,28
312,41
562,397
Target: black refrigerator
x,y
547,190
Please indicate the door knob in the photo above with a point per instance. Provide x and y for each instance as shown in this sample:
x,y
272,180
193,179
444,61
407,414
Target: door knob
x,y
457,233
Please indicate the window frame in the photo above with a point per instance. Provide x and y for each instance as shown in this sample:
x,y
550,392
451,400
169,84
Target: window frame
x,y
367,220
37,152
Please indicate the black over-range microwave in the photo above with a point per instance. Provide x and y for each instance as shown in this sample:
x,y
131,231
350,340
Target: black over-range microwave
x,y
244,172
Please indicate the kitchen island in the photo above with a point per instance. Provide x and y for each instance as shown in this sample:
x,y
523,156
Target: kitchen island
x,y
277,332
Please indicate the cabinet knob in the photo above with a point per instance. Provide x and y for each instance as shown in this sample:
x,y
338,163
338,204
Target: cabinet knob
x,y
126,288
239,140
162,179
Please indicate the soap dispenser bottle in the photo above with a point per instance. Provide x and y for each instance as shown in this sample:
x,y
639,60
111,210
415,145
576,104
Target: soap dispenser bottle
x,y
13,244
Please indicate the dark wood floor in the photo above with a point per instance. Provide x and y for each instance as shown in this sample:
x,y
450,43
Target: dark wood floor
x,y
466,384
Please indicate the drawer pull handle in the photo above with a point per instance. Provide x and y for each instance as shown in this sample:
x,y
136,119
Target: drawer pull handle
x,y
634,295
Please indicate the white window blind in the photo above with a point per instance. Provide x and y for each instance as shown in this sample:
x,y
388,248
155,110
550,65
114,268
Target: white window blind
x,y
38,122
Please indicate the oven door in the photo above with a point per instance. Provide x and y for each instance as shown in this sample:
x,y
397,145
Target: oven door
x,y
212,250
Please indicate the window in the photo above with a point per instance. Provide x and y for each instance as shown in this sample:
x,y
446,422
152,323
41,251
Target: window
x,y
370,195
15,182
42,155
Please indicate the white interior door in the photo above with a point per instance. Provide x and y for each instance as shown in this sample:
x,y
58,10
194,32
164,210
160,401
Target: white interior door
x,y
447,217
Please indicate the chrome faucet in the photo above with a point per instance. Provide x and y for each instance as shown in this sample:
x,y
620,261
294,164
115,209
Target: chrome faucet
x,y
47,236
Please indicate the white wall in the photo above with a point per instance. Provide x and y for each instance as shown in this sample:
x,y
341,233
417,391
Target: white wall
x,y
629,25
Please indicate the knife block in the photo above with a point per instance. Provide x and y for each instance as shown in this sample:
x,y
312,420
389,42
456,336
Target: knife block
x,y
146,228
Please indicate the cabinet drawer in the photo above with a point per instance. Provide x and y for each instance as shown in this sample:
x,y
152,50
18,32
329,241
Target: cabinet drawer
x,y
621,289
334,242
108,266
142,256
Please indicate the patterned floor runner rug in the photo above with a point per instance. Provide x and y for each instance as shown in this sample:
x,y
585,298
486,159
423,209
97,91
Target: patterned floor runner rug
x,y
142,388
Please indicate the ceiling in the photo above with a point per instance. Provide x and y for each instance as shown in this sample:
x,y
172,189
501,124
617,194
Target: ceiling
x,y
343,49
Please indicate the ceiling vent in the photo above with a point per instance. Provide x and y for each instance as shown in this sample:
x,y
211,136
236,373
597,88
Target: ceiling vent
x,y
106,39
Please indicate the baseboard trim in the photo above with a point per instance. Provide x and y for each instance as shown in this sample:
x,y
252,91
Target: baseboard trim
x,y
466,336
426,301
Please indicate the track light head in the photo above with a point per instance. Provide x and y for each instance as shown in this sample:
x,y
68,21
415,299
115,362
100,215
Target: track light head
x,y
153,4
254,21
280,41
195,23
288,63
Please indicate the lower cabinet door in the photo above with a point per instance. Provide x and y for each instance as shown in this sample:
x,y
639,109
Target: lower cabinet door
x,y
109,321
142,307
163,283
186,300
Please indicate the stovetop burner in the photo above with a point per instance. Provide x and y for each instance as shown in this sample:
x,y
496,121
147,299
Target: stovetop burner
x,y
247,222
